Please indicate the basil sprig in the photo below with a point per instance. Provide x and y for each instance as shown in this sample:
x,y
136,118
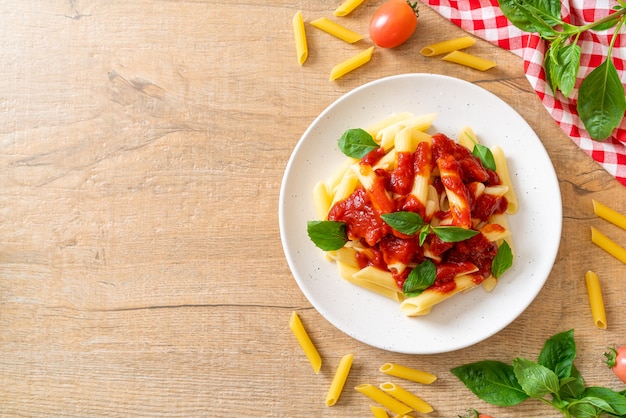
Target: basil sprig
x,y
420,278
410,223
327,235
601,98
357,143
552,379
502,261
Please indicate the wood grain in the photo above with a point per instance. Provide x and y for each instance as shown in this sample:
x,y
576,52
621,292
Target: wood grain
x,y
141,271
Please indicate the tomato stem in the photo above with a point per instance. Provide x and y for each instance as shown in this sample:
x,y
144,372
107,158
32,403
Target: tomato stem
x,y
414,7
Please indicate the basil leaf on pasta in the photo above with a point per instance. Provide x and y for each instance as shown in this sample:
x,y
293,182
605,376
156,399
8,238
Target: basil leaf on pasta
x,y
327,235
356,143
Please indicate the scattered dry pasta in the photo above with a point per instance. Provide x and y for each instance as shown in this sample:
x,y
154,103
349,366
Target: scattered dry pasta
x,y
305,342
595,299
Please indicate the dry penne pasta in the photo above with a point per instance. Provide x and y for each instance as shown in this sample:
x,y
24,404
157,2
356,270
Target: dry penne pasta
x,y
406,397
408,373
382,398
339,379
379,411
346,7
608,245
305,342
447,46
299,32
609,214
351,63
337,30
468,60
595,299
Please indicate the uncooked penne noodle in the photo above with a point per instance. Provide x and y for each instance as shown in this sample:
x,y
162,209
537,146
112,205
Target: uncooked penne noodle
x,y
305,342
302,48
339,379
447,46
609,214
468,60
408,373
337,30
608,245
502,169
595,299
346,7
351,63
382,398
379,411
406,397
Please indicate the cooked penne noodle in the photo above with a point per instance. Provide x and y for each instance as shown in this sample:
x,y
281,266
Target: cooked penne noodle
x,y
595,299
345,187
447,46
608,245
467,138
322,200
468,60
420,304
609,214
382,398
339,380
406,397
305,342
337,30
379,412
489,283
375,128
377,276
502,169
408,373
386,137
302,49
351,63
346,7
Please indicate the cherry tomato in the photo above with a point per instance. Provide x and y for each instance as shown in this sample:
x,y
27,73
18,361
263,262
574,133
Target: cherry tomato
x,y
616,360
393,23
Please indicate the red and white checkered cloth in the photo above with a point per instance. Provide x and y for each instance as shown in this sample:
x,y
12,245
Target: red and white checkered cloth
x,y
484,19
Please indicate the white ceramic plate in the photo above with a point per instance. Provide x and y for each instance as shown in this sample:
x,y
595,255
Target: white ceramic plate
x,y
464,319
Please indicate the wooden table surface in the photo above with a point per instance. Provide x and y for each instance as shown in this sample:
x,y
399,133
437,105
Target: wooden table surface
x,y
143,145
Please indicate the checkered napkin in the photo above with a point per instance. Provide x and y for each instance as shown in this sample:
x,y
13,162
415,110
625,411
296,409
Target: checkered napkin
x,y
484,19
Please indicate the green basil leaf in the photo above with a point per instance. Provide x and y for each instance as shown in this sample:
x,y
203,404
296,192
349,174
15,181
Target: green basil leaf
x,y
356,143
582,409
558,353
564,67
453,233
327,235
536,380
572,387
616,401
601,101
426,229
492,381
485,156
533,15
420,278
405,222
502,261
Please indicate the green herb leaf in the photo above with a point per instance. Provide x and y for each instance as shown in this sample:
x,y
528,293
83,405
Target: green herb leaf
x,y
562,64
420,278
533,15
485,156
405,222
502,261
572,387
453,233
426,229
536,380
582,409
558,353
327,235
601,101
492,381
616,401
357,143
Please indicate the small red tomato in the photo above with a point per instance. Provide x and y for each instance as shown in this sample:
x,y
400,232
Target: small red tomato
x,y
616,360
393,23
